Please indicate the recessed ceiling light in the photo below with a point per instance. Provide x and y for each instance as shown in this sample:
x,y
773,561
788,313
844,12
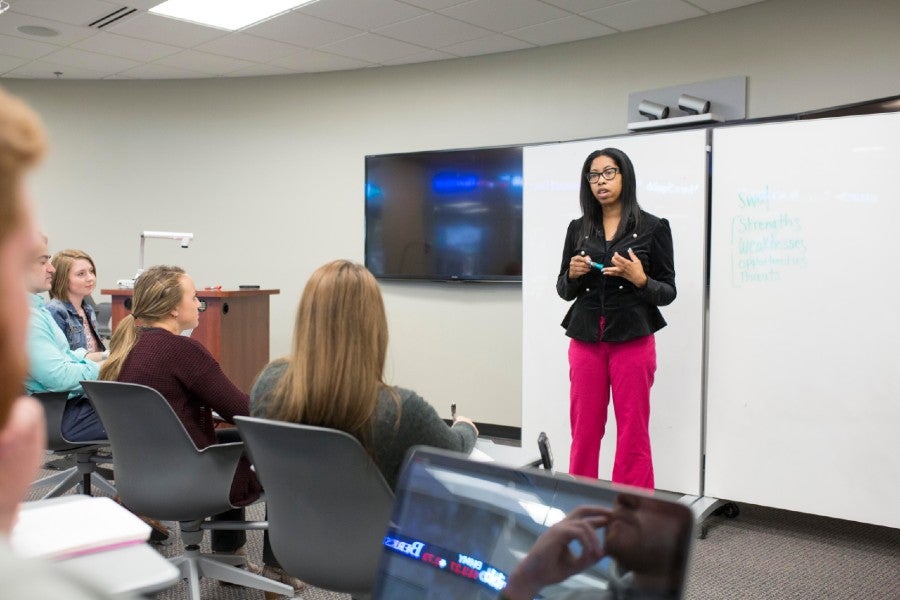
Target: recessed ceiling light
x,y
37,30
225,14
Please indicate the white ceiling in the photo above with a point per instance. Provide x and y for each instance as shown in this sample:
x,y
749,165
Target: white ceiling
x,y
328,35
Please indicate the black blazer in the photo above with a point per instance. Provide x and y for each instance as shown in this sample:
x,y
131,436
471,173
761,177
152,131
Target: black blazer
x,y
629,312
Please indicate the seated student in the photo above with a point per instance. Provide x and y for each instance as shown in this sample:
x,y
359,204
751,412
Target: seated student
x,y
644,538
334,376
72,285
147,349
53,366
22,428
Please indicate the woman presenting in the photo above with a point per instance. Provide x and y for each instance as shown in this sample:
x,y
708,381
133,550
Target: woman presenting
x,y
618,266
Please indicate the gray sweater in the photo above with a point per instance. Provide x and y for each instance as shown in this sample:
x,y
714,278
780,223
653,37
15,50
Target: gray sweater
x,y
419,423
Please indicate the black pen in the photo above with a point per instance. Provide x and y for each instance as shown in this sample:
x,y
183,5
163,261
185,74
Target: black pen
x,y
453,411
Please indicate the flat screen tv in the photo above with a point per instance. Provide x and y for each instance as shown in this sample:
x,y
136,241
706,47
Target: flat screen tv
x,y
451,215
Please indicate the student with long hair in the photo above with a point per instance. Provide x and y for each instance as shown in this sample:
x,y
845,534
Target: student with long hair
x,y
70,293
334,376
618,267
147,349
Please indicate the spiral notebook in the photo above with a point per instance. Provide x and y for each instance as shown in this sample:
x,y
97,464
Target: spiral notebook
x,y
75,525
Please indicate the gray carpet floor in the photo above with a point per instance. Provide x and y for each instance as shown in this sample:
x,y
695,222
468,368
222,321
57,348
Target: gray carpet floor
x,y
763,553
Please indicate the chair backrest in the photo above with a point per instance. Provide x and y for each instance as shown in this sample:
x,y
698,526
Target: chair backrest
x,y
160,473
54,404
328,504
104,317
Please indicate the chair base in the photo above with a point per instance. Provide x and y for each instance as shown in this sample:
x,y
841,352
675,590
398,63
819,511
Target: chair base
x,y
84,473
194,565
59,464
75,477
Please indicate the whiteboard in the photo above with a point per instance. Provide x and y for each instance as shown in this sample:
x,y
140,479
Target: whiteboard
x,y
803,400
671,171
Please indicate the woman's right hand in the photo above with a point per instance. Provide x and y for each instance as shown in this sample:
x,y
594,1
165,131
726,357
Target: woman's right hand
x,y
579,265
97,357
459,418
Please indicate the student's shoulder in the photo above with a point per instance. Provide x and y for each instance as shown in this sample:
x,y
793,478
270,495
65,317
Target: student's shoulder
x,y
56,307
413,407
176,344
268,377
405,396
276,368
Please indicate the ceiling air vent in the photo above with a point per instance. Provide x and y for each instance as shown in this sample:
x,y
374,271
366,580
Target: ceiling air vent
x,y
112,17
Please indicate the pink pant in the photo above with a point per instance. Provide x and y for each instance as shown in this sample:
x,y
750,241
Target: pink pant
x,y
627,368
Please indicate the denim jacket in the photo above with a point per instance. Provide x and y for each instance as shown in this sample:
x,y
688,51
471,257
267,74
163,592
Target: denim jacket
x,y
72,326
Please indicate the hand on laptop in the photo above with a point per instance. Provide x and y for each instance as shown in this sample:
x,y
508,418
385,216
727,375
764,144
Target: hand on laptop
x,y
551,560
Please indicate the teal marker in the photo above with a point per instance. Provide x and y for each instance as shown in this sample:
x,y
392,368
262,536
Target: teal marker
x,y
598,266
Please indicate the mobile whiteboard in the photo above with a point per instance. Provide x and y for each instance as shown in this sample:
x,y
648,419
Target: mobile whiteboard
x,y
803,400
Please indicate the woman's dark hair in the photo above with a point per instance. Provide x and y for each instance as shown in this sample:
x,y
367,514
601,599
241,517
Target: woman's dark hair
x,y
590,208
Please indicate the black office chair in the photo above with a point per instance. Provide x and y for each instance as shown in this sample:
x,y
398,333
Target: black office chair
x,y
84,457
161,474
104,320
328,505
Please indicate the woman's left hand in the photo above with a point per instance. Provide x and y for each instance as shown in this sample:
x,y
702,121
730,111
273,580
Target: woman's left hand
x,y
629,268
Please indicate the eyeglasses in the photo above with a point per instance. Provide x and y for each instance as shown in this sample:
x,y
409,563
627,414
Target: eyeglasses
x,y
608,174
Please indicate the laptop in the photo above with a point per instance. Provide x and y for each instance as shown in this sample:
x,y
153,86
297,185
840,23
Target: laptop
x,y
460,527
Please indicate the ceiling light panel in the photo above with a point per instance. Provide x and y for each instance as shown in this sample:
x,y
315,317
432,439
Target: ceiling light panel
x,y
225,14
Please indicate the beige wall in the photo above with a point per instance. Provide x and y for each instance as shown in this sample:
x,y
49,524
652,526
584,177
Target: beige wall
x,y
268,172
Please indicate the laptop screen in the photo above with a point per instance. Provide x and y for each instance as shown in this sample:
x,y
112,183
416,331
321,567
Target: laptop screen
x,y
459,529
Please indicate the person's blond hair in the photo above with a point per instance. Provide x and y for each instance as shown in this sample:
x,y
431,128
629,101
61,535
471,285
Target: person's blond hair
x,y
336,369
62,261
157,292
21,147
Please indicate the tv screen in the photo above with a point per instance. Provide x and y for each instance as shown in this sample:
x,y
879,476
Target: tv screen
x,y
447,215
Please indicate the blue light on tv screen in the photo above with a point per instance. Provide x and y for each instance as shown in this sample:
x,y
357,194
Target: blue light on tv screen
x,y
454,183
374,197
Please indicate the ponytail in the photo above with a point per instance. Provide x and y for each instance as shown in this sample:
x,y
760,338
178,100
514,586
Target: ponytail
x,y
123,340
157,291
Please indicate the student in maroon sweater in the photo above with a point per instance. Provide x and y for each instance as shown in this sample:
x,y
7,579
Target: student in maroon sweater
x,y
147,348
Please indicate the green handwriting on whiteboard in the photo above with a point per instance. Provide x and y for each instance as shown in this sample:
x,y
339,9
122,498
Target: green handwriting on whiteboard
x,y
762,199
765,247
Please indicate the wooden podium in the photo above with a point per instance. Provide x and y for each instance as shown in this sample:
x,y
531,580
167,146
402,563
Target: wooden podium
x,y
234,328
